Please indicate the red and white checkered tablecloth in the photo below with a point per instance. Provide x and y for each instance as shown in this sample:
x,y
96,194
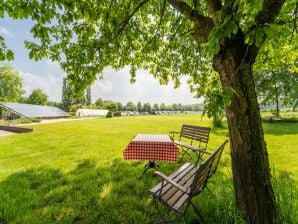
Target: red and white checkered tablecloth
x,y
151,147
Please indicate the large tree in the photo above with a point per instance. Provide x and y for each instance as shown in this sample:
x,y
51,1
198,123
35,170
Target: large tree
x,y
172,38
11,84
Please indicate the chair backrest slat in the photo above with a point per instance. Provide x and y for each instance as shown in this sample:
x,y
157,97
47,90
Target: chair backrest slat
x,y
195,133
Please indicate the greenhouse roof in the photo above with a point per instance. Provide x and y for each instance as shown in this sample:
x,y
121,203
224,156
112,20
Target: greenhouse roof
x,y
34,111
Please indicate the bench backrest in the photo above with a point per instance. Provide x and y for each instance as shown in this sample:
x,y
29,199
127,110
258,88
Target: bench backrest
x,y
206,170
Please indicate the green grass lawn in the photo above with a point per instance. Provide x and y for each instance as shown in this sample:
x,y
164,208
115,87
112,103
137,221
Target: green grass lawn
x,y
74,172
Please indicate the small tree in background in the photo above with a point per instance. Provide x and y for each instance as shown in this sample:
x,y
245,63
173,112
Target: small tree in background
x,y
162,107
147,107
99,102
140,107
155,107
130,106
38,97
277,87
119,106
11,87
88,96
111,106
66,99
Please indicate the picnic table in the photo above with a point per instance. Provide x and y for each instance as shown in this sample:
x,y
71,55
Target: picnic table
x,y
152,147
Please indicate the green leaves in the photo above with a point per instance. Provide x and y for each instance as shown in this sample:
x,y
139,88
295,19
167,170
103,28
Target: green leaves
x,y
5,53
85,37
224,30
10,83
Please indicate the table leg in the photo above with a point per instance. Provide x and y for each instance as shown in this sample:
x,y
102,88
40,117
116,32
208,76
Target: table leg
x,y
149,165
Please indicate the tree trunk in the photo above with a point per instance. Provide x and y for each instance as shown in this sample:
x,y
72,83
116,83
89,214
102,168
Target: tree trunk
x,y
250,165
277,102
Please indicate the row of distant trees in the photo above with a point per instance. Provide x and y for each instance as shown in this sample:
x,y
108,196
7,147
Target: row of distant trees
x,y
139,107
11,90
146,107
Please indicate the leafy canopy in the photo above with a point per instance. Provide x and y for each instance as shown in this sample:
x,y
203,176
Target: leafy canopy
x,y
160,36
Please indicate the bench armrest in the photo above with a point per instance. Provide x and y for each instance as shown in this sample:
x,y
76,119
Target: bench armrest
x,y
170,181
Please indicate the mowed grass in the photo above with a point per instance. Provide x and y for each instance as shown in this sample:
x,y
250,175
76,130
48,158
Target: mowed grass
x,y
74,172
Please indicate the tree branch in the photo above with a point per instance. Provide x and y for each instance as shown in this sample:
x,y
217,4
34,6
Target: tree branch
x,y
269,12
214,6
126,21
294,22
203,25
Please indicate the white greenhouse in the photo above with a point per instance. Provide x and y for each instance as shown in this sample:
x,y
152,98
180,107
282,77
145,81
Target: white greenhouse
x,y
91,113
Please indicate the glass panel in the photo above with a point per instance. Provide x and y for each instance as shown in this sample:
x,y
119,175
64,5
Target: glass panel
x,y
30,111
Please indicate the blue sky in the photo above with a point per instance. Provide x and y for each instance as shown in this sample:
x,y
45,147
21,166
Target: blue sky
x,y
115,86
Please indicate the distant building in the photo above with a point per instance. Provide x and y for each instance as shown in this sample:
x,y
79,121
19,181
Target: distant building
x,y
11,111
91,113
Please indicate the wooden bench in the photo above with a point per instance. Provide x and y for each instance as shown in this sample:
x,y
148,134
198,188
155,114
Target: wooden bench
x,y
176,191
194,138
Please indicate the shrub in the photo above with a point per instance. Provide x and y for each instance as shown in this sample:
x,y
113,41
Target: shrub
x,y
25,120
109,114
73,108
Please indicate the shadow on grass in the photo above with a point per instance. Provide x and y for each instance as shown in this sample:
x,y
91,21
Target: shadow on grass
x,y
88,194
112,193
281,128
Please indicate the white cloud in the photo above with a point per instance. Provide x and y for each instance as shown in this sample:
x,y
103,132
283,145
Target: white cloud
x,y
50,63
5,32
116,86
49,83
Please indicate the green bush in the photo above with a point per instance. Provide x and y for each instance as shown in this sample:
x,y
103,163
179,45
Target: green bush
x,y
109,114
25,120
73,108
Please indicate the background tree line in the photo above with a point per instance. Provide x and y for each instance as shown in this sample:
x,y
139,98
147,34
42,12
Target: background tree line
x,y
277,88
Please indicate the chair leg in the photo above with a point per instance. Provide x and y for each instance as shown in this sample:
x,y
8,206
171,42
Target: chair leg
x,y
199,157
185,151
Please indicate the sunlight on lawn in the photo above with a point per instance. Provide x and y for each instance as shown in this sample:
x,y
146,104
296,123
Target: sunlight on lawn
x,y
75,172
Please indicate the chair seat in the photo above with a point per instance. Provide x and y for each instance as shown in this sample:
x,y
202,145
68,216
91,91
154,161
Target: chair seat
x,y
191,147
171,195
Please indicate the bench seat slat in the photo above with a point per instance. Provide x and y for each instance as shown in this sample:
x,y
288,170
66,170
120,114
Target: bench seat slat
x,y
168,193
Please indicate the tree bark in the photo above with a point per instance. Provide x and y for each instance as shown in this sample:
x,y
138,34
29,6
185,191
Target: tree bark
x,y
276,100
250,165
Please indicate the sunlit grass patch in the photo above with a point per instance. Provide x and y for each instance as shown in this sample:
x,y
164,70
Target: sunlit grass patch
x,y
74,172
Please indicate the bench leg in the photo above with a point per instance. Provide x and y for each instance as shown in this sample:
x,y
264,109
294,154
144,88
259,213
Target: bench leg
x,y
196,210
166,214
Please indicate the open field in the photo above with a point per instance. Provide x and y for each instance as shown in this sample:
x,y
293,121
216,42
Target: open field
x,y
74,172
